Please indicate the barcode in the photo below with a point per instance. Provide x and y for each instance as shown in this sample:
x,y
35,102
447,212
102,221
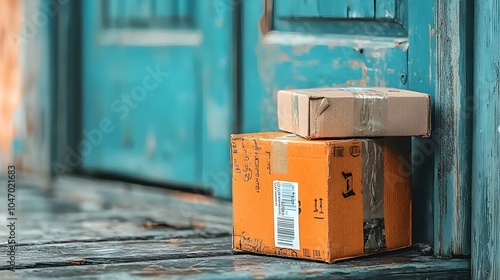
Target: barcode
x,y
286,215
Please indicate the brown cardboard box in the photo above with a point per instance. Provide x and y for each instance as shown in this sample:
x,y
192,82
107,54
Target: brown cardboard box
x,y
324,200
354,112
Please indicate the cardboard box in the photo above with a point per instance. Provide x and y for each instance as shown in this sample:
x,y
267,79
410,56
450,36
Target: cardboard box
x,y
354,112
323,200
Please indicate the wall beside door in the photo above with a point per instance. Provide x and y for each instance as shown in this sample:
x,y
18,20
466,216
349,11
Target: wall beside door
x,y
25,85
10,75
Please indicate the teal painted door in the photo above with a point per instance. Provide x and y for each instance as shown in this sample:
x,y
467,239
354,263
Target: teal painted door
x,y
319,43
157,91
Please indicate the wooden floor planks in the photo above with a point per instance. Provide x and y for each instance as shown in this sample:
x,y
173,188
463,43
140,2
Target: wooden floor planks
x,y
89,229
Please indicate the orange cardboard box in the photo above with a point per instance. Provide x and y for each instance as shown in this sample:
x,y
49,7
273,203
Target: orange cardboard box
x,y
323,200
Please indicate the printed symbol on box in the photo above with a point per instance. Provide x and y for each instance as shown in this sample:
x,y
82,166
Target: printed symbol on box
x,y
320,211
248,173
317,254
236,167
348,182
233,146
300,209
338,151
355,150
306,252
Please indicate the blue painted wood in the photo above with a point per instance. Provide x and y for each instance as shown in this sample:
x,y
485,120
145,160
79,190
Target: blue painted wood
x,y
339,17
361,9
275,60
385,9
157,102
217,78
421,77
323,8
486,142
452,129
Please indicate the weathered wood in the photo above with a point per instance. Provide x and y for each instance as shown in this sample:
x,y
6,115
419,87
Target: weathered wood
x,y
452,129
75,209
126,251
486,142
243,266
96,229
421,77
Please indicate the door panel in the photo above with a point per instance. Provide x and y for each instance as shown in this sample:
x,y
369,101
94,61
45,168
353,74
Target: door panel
x,y
303,44
146,90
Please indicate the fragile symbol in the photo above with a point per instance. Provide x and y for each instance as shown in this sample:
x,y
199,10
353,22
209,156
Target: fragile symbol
x,y
338,151
320,205
355,151
348,180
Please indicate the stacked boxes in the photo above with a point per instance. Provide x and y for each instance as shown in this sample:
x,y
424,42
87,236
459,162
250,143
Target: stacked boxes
x,y
344,194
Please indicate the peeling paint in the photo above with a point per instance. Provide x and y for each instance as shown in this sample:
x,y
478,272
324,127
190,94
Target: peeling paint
x,y
265,20
431,33
299,50
10,75
283,57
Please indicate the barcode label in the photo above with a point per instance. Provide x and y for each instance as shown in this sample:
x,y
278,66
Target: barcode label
x,y
286,215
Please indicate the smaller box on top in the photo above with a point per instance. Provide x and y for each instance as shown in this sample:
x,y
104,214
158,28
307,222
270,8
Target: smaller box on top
x,y
354,112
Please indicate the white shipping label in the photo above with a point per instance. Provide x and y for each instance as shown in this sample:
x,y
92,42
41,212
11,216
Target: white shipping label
x,y
286,215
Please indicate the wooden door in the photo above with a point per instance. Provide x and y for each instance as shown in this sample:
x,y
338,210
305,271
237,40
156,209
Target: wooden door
x,y
319,43
157,90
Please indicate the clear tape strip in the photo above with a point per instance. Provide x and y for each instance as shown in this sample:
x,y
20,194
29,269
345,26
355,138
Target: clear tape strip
x,y
371,106
295,111
373,195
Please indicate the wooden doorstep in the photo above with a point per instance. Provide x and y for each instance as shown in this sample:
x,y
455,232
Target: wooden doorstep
x,y
84,228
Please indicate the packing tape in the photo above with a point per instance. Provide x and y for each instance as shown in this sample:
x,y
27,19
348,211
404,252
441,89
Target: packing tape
x,y
279,155
295,111
373,195
371,106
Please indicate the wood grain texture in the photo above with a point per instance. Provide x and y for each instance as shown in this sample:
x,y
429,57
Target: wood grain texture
x,y
452,129
486,143
89,229
421,77
78,210
241,266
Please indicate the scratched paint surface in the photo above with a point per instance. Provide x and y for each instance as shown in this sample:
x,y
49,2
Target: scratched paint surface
x,y
274,60
485,257
453,112
157,91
